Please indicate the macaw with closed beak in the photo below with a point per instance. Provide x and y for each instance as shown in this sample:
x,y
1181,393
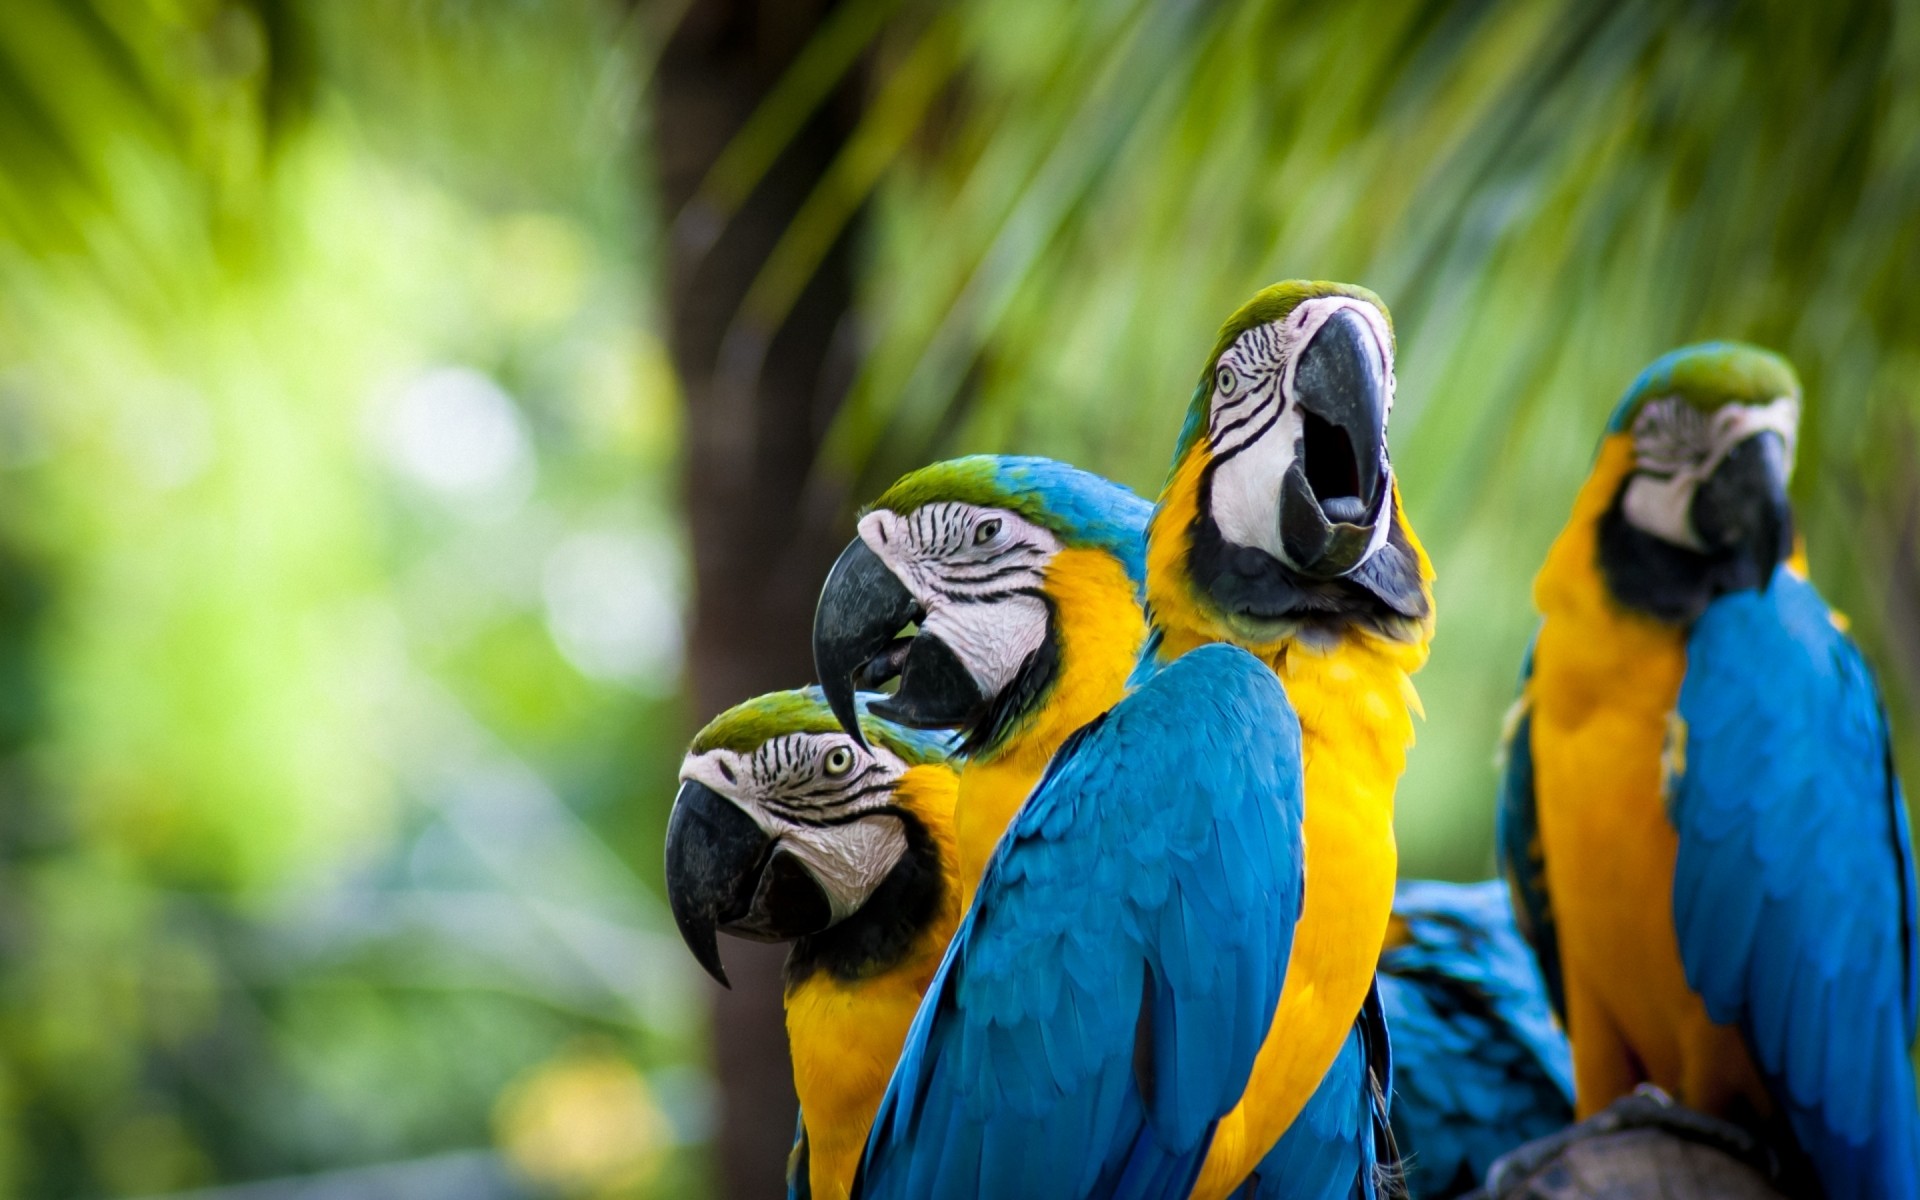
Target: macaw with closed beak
x,y
1701,822
1024,577
785,828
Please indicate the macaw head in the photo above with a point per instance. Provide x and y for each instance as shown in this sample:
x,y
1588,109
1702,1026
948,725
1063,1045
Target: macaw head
x,y
1702,448
973,552
1281,518
785,826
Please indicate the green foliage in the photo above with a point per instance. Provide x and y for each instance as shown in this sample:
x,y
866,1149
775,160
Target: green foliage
x,y
1547,195
338,613
338,585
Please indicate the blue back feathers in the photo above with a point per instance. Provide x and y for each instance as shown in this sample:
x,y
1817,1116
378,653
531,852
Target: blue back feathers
x,y
1103,1001
799,1163
1794,890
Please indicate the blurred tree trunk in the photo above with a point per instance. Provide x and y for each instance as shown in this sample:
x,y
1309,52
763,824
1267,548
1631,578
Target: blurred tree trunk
x,y
757,402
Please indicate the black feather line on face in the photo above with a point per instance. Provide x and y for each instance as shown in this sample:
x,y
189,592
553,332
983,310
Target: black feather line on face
x,y
990,597
1032,685
808,810
988,574
1226,454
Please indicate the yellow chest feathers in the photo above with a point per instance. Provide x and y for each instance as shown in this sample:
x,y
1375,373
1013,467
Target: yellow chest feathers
x,y
1604,685
845,1034
1591,654
1100,628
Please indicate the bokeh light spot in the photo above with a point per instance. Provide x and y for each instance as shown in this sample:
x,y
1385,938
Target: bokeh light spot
x,y
613,604
457,432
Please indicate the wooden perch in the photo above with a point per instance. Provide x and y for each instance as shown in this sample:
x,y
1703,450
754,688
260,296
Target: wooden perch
x,y
1645,1147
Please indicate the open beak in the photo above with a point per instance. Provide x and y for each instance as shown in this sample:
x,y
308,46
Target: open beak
x,y
1742,507
1333,498
863,607
725,873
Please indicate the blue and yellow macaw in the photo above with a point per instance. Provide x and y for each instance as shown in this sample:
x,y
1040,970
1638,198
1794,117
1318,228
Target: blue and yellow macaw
x,y
1479,1067
1306,368
1280,529
1701,820
1024,576
787,829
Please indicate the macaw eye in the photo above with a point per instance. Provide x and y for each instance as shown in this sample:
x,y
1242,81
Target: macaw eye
x,y
838,762
1224,380
986,531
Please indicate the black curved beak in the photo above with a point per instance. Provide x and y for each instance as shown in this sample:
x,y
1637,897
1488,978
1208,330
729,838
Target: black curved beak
x,y
1742,508
724,873
862,607
1331,500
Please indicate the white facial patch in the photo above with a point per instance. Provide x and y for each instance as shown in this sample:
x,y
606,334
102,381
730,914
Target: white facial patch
x,y
1676,446
976,574
1254,424
835,825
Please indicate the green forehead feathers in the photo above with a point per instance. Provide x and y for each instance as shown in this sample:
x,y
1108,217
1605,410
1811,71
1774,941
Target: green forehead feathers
x,y
974,480
1707,376
1078,507
1276,303
1269,304
745,727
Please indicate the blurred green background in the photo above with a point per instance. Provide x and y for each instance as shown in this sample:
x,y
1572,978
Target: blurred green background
x,y
416,415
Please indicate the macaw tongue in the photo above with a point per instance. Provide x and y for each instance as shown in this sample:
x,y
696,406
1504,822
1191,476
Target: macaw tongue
x,y
884,666
1322,539
1349,510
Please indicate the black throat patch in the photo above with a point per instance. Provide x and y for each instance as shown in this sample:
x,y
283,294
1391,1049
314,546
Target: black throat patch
x,y
1382,595
1670,583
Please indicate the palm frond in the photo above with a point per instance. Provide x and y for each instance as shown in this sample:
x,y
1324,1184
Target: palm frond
x,y
1548,195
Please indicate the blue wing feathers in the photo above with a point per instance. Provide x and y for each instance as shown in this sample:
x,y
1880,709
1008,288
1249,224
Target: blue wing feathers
x,y
1329,1152
1481,1066
1902,838
1793,889
1155,869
